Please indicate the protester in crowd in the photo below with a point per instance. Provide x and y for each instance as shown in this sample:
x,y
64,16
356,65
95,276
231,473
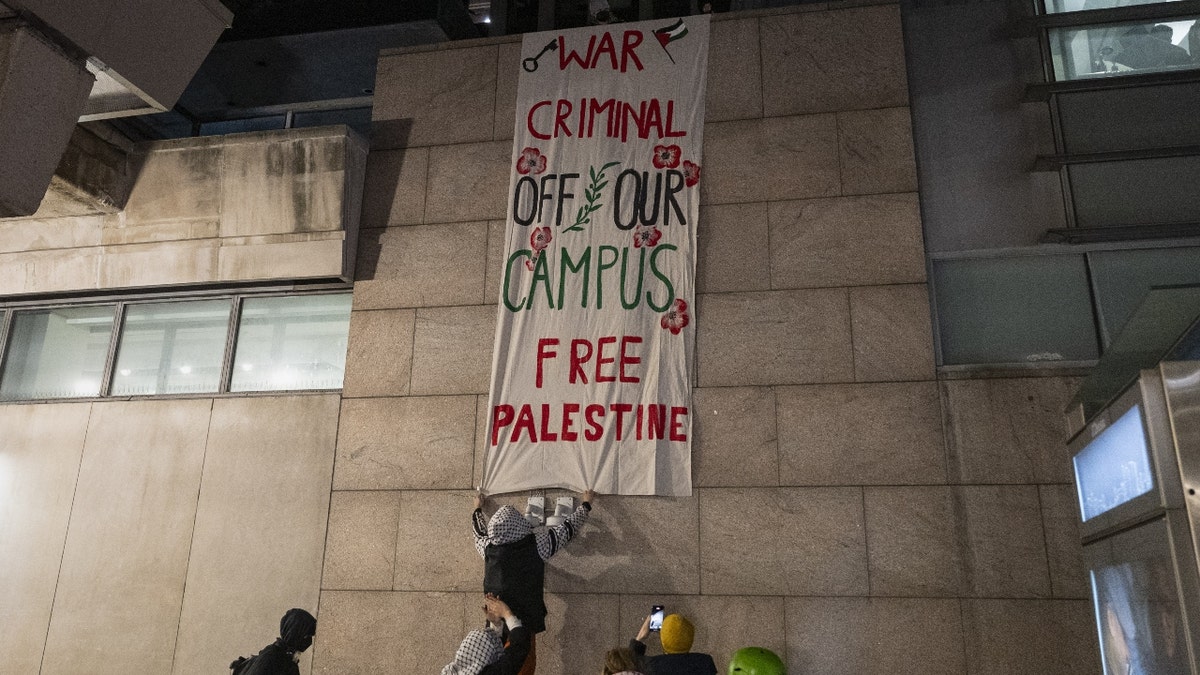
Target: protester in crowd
x,y
514,560
296,631
622,661
677,658
756,661
482,652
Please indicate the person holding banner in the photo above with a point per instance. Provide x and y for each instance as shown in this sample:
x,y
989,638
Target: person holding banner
x,y
515,556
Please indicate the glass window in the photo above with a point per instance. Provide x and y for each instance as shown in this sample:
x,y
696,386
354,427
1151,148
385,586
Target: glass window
x,y
296,342
1028,309
172,348
1057,6
57,353
1124,49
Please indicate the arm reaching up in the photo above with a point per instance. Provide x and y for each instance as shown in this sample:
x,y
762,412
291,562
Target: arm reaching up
x,y
553,539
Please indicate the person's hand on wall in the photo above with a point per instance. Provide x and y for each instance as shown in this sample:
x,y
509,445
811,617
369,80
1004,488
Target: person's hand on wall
x,y
478,500
589,496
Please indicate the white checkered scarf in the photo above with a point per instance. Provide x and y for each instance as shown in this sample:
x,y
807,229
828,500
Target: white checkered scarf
x,y
477,651
507,525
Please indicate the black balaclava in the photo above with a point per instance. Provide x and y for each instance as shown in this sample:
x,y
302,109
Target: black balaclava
x,y
296,630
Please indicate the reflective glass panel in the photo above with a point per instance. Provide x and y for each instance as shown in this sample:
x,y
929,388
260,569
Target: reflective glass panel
x,y
1057,6
1026,309
294,342
57,353
1115,467
172,348
1136,599
1124,49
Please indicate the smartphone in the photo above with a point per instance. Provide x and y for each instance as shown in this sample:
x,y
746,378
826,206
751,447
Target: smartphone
x,y
656,617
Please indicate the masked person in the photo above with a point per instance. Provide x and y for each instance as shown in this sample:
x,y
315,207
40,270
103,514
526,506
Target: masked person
x,y
296,631
514,560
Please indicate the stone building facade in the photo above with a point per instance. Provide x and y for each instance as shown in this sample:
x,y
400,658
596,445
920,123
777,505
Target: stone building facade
x,y
853,510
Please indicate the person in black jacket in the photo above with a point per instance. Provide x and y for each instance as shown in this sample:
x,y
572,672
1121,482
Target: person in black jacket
x,y
481,652
678,659
514,559
296,631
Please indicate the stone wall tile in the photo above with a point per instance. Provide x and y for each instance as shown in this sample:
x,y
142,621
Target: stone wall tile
x,y
842,59
846,241
782,541
367,632
173,182
116,232
405,443
780,337
734,88
860,434
770,159
911,538
631,545
893,334
723,623
394,188
1030,636
445,96
318,257
260,193
735,438
452,350
468,182
360,552
379,355
126,553
159,264
236,578
508,68
981,541
43,445
580,629
1006,546
19,235
733,248
871,636
1008,430
49,271
494,272
1060,518
427,517
421,266
876,148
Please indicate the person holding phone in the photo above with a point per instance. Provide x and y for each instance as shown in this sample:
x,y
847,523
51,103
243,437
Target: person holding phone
x,y
676,637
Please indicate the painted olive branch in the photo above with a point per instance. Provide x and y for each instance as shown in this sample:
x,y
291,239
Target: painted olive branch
x,y
592,196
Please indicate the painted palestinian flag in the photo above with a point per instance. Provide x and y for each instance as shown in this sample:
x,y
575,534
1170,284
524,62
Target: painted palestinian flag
x,y
668,34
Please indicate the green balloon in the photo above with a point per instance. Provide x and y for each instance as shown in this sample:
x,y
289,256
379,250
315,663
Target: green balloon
x,y
756,661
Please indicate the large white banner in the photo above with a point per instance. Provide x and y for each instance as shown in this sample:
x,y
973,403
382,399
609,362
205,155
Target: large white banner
x,y
591,374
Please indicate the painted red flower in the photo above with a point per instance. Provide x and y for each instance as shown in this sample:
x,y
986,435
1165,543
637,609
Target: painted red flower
x,y
532,262
539,239
691,173
531,161
676,317
646,236
666,156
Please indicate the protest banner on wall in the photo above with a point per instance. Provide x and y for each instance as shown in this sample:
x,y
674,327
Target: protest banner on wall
x,y
591,374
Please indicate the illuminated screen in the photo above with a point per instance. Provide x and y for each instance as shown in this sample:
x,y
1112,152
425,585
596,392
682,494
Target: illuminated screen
x,y
1137,603
1115,467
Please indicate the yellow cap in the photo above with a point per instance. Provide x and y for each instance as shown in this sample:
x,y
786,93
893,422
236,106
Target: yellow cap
x,y
677,633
